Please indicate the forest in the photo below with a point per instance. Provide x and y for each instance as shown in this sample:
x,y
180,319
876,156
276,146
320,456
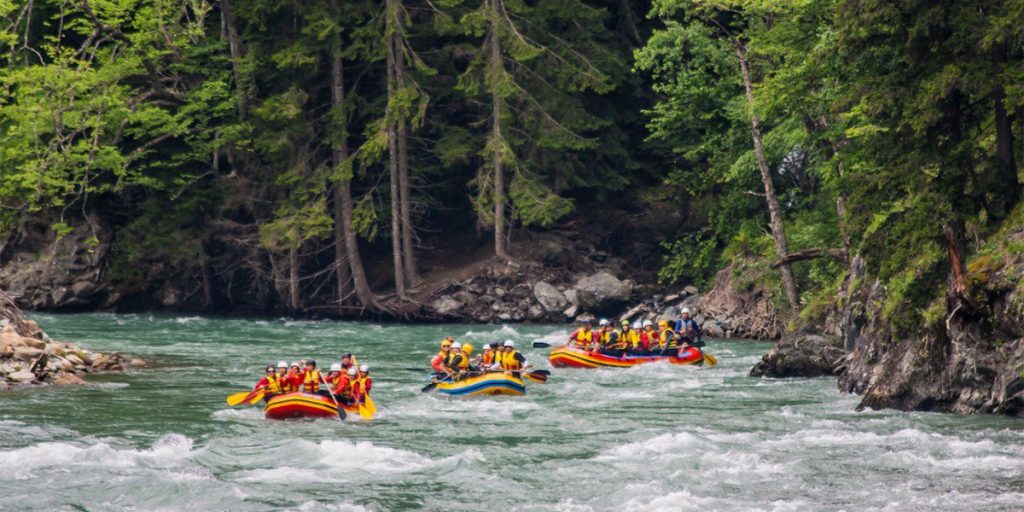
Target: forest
x,y
316,151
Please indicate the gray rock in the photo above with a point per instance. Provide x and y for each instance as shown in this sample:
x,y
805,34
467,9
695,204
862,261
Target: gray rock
x,y
571,311
445,305
505,317
34,343
602,292
464,296
691,290
84,290
535,312
672,298
499,292
27,353
486,299
68,379
801,355
570,295
713,329
549,297
22,376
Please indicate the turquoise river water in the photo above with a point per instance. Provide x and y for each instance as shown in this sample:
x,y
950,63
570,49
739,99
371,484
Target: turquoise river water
x,y
649,438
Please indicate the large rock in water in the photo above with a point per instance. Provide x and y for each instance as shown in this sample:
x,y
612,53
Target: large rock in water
x,y
445,305
601,293
801,355
549,297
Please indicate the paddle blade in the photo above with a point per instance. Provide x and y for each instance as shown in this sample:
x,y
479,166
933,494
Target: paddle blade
x,y
237,398
546,373
256,397
541,344
364,412
710,360
341,413
539,378
372,407
429,387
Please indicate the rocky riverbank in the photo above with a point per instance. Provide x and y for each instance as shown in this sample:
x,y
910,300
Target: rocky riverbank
x,y
29,356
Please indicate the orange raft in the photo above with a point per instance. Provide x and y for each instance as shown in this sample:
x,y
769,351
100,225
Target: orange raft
x,y
573,357
304,405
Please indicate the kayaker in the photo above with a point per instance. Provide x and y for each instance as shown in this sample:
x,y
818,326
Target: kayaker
x,y
362,385
511,360
688,329
311,379
584,336
441,360
668,345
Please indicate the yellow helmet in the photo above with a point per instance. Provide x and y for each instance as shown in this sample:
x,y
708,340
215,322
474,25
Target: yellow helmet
x,y
447,342
467,348
662,323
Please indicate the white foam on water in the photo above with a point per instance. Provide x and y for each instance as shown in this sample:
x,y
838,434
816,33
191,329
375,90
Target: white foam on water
x,y
335,461
315,506
169,451
185,320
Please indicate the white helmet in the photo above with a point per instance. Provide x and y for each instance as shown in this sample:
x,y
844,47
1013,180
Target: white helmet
x,y
685,310
510,343
296,363
604,322
282,364
364,368
456,345
336,367
648,323
352,370
638,325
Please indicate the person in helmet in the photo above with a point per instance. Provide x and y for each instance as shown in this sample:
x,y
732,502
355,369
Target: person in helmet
x,y
605,338
311,380
467,352
333,375
362,384
486,359
293,379
648,337
270,383
512,362
584,336
348,360
458,364
668,343
343,385
441,360
627,338
688,330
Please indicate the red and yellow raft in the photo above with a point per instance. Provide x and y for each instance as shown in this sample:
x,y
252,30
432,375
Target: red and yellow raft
x,y
574,357
304,405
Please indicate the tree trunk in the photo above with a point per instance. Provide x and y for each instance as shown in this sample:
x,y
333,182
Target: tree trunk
x,y
392,135
1004,135
237,49
500,245
408,256
774,211
344,233
293,279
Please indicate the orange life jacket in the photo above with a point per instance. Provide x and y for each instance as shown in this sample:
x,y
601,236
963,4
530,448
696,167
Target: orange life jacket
x,y
311,383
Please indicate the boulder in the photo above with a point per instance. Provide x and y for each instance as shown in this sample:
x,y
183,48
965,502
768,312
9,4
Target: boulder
x,y
84,290
74,359
712,329
68,379
801,355
34,343
691,290
27,353
570,311
549,297
499,292
22,376
601,292
55,350
445,305
10,340
137,362
570,295
505,317
464,296
535,312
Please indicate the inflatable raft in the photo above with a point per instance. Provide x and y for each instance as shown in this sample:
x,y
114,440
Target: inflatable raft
x,y
304,405
495,383
573,357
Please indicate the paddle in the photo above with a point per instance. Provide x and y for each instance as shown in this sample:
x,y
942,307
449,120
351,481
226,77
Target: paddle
x,y
237,398
710,360
364,411
372,407
341,411
541,344
536,376
243,396
257,397
432,385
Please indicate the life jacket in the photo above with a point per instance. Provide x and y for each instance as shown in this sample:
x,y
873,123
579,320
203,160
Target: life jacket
x,y
273,384
311,382
648,338
582,337
343,386
458,362
667,339
487,359
509,361
446,357
359,387
603,337
289,384
626,339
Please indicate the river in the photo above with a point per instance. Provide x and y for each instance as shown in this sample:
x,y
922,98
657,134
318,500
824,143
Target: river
x,y
648,438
